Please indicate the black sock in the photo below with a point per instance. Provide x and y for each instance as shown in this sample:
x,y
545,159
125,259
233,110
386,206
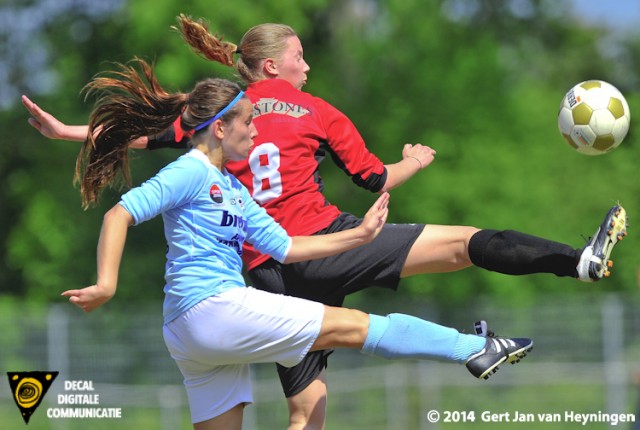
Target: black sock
x,y
516,253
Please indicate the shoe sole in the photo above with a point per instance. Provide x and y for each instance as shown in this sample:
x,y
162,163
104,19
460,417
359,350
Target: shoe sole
x,y
512,358
615,227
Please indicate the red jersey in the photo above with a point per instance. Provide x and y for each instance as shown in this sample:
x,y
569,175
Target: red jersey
x,y
295,131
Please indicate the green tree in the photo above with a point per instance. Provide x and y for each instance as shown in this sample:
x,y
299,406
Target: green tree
x,y
479,81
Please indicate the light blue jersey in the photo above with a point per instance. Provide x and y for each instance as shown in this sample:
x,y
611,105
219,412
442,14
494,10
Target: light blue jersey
x,y
207,216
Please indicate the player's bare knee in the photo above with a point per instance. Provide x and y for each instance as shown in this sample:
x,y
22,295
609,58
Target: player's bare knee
x,y
342,327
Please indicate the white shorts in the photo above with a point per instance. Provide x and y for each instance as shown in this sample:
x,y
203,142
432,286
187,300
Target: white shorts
x,y
214,342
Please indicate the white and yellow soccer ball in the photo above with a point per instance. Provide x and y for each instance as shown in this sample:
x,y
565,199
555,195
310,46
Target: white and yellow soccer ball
x,y
594,117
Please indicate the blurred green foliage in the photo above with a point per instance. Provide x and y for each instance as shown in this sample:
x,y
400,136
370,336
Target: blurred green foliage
x,y
478,81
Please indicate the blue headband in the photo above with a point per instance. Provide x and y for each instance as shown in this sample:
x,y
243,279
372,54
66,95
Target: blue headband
x,y
222,112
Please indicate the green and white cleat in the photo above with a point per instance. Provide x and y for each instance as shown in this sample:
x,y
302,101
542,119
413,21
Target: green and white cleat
x,y
594,262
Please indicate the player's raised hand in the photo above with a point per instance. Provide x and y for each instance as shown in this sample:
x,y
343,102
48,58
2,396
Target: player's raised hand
x,y
421,153
376,216
49,126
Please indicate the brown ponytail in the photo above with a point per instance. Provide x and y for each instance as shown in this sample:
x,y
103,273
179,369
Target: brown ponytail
x,y
209,46
130,105
259,43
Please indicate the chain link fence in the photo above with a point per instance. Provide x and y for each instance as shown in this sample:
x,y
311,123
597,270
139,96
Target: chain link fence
x,y
586,360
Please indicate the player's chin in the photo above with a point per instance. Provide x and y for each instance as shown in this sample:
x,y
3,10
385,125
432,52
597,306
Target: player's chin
x,y
246,153
240,156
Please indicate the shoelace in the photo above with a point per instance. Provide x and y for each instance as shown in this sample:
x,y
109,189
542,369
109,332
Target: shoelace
x,y
482,329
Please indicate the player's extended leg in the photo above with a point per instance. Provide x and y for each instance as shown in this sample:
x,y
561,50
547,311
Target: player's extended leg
x,y
399,336
447,248
307,409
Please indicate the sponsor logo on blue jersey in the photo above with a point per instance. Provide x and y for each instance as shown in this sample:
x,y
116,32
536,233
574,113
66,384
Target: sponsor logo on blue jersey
x,y
216,194
237,222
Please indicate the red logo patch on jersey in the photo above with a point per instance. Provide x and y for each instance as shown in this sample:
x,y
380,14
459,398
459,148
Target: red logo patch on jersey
x,y
215,194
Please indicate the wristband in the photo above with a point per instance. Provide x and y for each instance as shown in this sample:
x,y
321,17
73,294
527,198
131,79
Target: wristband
x,y
419,162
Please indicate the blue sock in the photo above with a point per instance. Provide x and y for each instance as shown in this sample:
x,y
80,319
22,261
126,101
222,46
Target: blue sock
x,y
403,336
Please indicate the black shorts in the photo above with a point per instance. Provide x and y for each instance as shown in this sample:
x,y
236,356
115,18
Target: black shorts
x,y
329,280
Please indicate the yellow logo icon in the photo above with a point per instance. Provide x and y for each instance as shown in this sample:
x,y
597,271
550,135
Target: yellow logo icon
x,y
28,390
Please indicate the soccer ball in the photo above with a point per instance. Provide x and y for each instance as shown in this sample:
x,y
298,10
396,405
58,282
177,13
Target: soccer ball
x,y
594,117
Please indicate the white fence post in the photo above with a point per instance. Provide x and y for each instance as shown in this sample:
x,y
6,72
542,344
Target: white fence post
x,y
613,349
396,386
58,350
170,402
429,391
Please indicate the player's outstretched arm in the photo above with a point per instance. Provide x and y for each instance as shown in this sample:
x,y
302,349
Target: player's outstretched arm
x,y
113,236
51,127
321,246
414,158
